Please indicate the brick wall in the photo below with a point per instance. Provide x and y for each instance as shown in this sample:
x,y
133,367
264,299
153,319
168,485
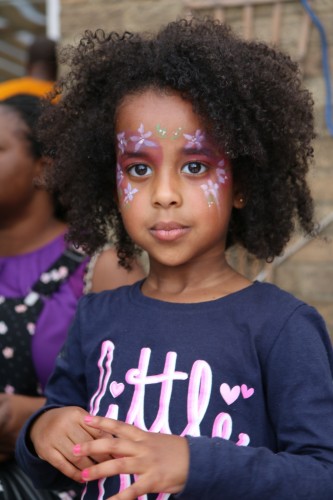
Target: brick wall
x,y
308,273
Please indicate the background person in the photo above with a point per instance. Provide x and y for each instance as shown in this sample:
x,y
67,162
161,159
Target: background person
x,y
41,277
41,71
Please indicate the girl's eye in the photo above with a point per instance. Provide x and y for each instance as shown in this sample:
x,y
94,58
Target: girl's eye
x,y
139,170
194,168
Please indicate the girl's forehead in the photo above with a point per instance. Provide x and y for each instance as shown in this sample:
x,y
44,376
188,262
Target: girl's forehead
x,y
157,111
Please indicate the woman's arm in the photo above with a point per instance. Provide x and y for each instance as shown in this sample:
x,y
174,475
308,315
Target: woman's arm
x,y
14,411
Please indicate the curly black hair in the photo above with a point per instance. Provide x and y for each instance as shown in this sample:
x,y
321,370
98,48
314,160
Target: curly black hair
x,y
248,95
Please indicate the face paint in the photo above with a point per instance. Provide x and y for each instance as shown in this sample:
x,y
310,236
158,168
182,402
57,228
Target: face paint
x,y
120,175
194,141
222,176
176,133
211,191
122,142
129,193
142,139
163,133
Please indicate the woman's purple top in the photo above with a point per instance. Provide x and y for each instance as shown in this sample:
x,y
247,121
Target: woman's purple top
x,y
18,274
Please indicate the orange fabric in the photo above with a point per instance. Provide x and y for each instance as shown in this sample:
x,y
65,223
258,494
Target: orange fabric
x,y
25,85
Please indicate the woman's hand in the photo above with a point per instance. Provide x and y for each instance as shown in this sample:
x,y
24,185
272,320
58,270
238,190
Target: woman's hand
x,y
53,435
160,461
14,411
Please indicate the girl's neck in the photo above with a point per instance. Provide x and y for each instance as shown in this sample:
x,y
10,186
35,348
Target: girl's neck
x,y
30,229
198,282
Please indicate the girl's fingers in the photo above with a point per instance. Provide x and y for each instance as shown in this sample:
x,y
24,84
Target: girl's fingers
x,y
114,427
66,467
79,461
113,467
107,447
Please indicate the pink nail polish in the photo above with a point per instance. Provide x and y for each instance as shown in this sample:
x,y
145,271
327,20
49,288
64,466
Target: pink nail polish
x,y
88,419
85,474
77,449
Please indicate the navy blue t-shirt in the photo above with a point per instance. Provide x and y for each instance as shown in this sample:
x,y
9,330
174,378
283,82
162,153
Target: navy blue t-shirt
x,y
253,368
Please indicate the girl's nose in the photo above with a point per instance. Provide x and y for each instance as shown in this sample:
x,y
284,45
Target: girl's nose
x,y
166,190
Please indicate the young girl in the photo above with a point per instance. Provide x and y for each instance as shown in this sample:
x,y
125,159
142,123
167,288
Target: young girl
x,y
194,382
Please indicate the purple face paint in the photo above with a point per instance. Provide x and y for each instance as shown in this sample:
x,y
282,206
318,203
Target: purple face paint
x,y
142,139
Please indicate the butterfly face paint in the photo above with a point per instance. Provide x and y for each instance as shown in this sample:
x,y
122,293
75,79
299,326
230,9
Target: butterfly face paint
x,y
195,144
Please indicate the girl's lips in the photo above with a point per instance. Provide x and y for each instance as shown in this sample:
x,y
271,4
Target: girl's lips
x,y
168,231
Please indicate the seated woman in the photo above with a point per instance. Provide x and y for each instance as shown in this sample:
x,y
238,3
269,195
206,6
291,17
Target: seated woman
x,y
41,280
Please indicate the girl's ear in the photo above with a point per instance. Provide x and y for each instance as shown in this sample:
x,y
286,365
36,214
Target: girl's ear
x,y
239,199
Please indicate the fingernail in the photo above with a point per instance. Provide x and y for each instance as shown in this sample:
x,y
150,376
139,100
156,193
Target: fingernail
x,y
88,419
77,449
85,474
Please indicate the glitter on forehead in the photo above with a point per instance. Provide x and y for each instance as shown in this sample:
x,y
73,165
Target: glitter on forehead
x,y
164,134
161,132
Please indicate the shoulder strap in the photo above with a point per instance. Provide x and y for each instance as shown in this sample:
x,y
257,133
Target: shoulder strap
x,y
63,267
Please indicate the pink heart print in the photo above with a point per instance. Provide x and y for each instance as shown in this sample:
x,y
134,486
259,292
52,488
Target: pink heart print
x,y
229,394
246,392
116,388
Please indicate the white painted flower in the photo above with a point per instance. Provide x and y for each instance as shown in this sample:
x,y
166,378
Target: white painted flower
x,y
129,193
221,172
211,191
9,389
120,175
3,328
142,139
194,141
122,142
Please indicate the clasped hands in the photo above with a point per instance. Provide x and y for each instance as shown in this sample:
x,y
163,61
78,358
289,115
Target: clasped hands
x,y
87,448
